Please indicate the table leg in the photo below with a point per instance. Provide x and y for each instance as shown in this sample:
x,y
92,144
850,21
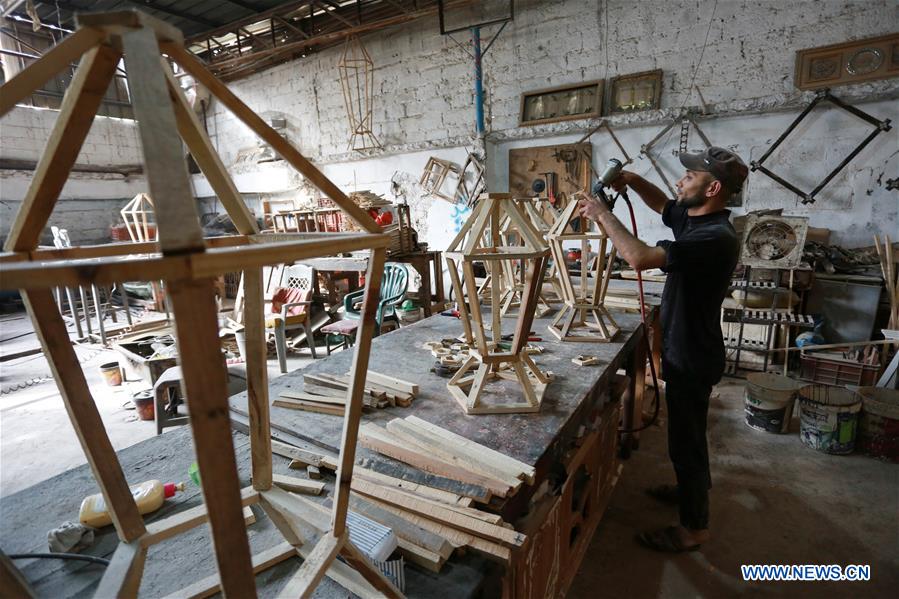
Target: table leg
x,y
424,293
633,415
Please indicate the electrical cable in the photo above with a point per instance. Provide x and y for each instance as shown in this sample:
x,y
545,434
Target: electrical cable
x,y
72,556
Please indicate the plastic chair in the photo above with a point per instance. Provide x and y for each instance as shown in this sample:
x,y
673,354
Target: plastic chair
x,y
291,304
394,283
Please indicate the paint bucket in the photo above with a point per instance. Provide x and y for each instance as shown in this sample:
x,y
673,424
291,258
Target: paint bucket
x,y
768,401
144,403
878,423
112,373
828,418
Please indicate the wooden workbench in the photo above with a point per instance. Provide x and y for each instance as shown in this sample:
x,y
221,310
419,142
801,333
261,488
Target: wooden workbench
x,y
562,431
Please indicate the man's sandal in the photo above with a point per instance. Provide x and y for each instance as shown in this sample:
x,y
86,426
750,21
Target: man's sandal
x,y
665,540
664,493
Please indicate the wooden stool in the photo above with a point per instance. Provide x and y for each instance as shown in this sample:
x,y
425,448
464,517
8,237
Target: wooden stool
x,y
345,329
166,390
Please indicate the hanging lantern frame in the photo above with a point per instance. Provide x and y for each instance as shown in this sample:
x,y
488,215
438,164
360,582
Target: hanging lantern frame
x,y
357,83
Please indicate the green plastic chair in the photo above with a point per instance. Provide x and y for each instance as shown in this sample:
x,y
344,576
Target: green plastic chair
x,y
394,283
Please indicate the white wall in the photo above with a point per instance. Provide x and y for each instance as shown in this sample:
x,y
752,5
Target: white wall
x,y
424,104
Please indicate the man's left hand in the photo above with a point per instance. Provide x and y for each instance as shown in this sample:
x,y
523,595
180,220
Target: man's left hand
x,y
591,208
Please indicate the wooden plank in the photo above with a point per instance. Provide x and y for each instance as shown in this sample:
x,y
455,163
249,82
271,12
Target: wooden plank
x,y
373,575
399,470
308,406
53,336
298,485
192,65
441,495
474,449
259,417
118,21
204,381
445,450
303,583
12,581
392,381
420,556
372,437
303,455
160,530
327,399
465,511
349,436
449,517
402,528
458,538
207,158
178,225
122,576
79,106
51,63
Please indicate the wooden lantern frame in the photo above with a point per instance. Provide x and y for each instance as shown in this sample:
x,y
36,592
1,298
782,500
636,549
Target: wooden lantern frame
x,y
357,81
479,240
187,263
579,303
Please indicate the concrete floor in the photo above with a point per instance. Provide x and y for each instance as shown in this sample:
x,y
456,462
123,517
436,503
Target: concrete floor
x,y
36,437
774,501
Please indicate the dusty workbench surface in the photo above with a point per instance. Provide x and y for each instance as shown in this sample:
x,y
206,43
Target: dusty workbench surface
x,y
27,516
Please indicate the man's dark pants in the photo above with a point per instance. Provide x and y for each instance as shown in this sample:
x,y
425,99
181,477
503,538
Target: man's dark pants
x,y
688,407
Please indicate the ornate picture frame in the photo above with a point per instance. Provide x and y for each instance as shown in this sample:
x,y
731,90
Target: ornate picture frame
x,y
636,92
563,103
847,62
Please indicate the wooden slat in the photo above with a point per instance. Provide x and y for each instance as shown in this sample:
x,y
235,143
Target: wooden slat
x,y
378,439
177,220
419,489
192,65
350,434
122,576
449,517
304,455
12,581
257,380
369,572
54,60
54,339
403,528
308,406
208,160
303,583
160,530
79,106
298,485
204,381
392,381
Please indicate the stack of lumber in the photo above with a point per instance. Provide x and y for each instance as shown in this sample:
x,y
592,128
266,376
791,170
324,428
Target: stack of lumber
x,y
403,239
326,393
890,277
367,200
438,451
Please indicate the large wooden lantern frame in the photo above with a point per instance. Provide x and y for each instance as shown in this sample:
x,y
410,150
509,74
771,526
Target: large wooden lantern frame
x,y
583,316
494,358
187,263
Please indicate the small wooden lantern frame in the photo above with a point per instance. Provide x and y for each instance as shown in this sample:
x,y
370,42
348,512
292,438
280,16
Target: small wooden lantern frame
x,y
139,214
479,240
357,83
587,300
187,263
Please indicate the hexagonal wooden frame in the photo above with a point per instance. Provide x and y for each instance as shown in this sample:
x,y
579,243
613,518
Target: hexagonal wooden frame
x,y
187,263
479,240
586,301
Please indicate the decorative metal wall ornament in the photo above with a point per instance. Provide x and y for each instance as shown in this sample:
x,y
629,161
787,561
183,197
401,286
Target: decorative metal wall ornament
x,y
821,96
497,357
588,301
684,121
357,82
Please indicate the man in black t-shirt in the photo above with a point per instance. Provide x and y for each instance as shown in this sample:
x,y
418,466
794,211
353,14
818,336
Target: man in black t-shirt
x,y
699,263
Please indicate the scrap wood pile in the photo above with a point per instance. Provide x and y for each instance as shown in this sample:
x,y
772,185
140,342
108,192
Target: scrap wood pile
x,y
326,393
430,522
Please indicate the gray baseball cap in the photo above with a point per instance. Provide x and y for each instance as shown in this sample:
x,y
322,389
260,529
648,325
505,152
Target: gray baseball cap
x,y
723,164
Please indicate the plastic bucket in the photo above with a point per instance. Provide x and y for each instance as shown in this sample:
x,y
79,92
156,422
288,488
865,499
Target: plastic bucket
x,y
768,401
878,423
145,404
112,373
828,418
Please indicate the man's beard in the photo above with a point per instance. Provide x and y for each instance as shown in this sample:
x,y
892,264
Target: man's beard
x,y
693,201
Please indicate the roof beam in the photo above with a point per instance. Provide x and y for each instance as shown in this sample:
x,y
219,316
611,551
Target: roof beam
x,y
249,20
244,5
149,4
334,12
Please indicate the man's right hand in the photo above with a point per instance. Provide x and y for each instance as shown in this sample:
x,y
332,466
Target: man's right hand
x,y
624,179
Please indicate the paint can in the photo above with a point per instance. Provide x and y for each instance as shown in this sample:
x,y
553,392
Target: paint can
x,y
828,418
878,423
144,403
112,373
768,401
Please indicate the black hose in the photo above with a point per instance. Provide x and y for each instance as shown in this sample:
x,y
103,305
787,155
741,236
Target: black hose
x,y
73,556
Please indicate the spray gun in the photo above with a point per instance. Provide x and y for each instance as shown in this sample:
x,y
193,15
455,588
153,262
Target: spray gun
x,y
611,172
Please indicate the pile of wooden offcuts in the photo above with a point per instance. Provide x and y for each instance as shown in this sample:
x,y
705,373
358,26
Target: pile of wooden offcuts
x,y
430,523
326,393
